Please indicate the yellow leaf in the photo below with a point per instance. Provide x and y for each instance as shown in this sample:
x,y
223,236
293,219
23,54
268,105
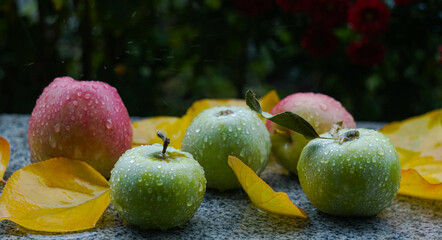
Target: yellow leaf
x,y
269,101
418,141
261,194
413,184
5,151
56,195
145,130
420,134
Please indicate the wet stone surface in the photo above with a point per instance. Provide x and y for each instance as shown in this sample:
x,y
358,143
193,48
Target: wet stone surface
x,y
231,215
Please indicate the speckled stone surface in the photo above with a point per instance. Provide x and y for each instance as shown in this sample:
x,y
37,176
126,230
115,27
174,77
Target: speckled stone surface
x,y
230,215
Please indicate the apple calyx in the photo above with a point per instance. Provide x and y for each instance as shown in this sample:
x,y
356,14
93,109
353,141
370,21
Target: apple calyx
x,y
166,142
225,112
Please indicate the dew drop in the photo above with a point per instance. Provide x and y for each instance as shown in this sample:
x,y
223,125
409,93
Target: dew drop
x,y
57,127
197,130
108,124
380,152
323,106
87,96
52,142
317,124
79,93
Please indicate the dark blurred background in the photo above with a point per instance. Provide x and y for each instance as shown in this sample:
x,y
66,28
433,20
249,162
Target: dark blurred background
x,y
162,55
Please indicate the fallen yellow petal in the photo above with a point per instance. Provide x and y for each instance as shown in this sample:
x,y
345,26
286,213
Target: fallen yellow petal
x,y
5,151
413,184
56,195
261,194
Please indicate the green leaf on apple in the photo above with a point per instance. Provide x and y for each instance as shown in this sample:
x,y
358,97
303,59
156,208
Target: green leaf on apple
x,y
289,120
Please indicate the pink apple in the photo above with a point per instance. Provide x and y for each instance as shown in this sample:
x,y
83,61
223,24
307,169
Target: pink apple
x,y
84,120
320,110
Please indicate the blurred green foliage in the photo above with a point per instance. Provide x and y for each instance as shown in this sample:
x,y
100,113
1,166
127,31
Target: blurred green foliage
x,y
162,55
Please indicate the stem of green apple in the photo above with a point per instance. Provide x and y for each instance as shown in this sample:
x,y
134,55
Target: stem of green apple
x,y
166,141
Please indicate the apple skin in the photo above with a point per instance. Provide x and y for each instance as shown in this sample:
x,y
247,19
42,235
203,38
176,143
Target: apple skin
x,y
320,110
213,136
155,193
359,177
84,120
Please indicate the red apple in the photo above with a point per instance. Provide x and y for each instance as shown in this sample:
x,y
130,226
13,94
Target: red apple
x,y
84,120
320,110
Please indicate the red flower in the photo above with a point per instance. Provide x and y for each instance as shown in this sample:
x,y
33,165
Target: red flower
x,y
366,53
293,6
405,2
319,41
369,16
252,7
328,12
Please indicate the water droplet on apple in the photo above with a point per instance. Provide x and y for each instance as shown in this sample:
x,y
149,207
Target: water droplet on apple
x,y
159,166
108,124
323,106
197,130
380,152
79,93
189,203
317,124
57,127
52,142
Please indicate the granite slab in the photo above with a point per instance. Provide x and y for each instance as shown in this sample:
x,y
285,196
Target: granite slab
x,y
230,215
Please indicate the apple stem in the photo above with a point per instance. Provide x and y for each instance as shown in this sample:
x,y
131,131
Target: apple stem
x,y
348,136
166,141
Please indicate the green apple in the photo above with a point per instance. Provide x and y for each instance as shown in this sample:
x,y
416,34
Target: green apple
x,y
219,132
153,189
355,174
320,110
